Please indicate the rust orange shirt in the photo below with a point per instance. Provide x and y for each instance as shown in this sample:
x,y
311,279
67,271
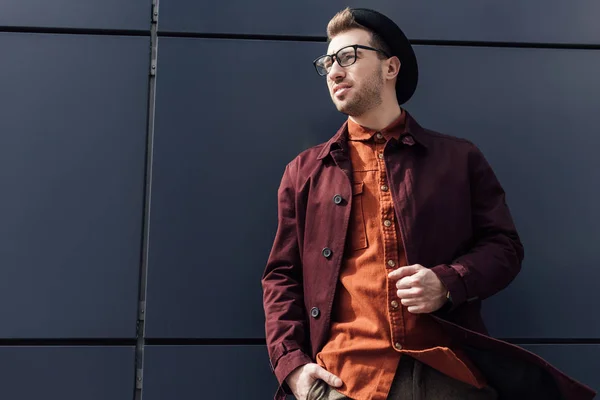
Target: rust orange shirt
x,y
370,329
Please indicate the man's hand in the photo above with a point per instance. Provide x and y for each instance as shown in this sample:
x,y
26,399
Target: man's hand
x,y
419,289
301,379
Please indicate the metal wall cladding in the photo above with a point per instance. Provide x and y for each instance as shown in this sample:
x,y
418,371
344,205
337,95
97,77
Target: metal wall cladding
x,y
533,113
529,110
580,361
73,121
551,21
83,14
229,116
520,106
67,373
207,372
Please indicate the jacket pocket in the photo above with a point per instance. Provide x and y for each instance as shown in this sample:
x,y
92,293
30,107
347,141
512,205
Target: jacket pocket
x,y
358,231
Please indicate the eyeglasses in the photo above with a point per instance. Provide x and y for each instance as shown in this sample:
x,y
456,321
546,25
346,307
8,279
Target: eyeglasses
x,y
345,57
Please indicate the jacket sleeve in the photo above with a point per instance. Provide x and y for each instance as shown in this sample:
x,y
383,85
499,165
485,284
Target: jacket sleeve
x,y
495,257
283,301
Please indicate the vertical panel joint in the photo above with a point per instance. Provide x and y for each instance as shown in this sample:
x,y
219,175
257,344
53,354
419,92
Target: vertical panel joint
x,y
142,311
155,12
139,379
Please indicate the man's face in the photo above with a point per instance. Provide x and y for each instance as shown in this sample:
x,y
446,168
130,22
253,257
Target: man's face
x,y
357,88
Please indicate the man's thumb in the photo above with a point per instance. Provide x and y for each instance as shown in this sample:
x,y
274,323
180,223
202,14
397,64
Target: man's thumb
x,y
328,377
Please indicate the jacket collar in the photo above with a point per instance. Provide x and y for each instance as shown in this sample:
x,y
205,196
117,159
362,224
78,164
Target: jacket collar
x,y
340,139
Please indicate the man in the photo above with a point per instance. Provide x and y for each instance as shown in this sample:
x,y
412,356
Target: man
x,y
390,236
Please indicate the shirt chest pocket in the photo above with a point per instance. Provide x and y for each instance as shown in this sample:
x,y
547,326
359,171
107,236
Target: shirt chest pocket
x,y
357,232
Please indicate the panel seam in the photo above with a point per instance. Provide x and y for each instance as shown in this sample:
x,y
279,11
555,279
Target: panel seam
x,y
416,42
143,274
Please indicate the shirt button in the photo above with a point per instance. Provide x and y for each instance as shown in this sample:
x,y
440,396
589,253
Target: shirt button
x,y
315,312
327,252
387,223
384,188
337,199
380,156
391,263
394,304
379,136
398,346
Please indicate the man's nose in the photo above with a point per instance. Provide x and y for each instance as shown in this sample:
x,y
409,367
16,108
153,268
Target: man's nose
x,y
336,72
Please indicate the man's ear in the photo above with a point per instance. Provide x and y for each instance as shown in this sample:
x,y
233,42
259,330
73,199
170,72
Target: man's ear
x,y
393,68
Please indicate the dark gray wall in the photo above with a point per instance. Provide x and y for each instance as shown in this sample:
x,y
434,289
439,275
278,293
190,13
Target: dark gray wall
x,y
73,132
66,372
84,14
552,21
118,182
73,123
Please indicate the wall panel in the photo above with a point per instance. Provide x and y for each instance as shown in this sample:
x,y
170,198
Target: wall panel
x,y
537,21
82,14
72,156
221,144
66,373
208,372
533,113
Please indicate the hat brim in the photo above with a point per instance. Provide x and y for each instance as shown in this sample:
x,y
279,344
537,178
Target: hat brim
x,y
392,35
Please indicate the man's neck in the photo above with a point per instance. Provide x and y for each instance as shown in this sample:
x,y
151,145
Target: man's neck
x,y
379,117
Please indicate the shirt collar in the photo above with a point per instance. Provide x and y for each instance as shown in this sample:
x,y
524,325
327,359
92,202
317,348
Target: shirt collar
x,y
394,130
413,133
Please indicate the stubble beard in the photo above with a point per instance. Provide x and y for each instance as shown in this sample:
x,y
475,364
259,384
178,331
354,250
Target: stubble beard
x,y
367,99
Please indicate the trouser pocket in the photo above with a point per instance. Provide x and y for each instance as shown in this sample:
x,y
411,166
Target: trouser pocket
x,y
313,392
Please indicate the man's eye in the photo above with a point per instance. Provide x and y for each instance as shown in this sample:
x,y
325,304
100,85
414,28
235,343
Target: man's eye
x,y
345,58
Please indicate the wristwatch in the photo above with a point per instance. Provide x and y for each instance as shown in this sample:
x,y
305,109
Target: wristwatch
x,y
448,297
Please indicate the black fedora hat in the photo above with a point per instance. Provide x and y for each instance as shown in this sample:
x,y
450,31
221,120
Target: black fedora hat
x,y
392,35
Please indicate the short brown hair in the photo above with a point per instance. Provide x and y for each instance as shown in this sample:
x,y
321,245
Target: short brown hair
x,y
344,21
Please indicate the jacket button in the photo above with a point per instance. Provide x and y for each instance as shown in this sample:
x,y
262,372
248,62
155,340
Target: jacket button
x,y
326,252
315,312
408,140
337,199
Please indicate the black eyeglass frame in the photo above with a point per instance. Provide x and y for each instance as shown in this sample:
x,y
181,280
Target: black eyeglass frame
x,y
334,57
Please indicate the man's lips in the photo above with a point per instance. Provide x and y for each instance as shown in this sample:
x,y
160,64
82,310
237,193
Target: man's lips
x,y
340,89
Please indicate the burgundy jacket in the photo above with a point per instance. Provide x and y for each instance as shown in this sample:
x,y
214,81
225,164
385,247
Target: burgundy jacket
x,y
453,218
